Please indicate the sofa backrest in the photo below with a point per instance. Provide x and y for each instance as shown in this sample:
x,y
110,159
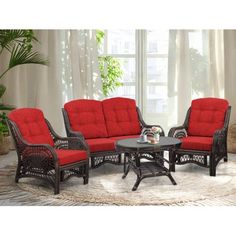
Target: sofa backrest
x,y
206,116
32,125
121,116
86,116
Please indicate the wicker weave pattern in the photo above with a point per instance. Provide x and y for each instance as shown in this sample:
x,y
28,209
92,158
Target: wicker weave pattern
x,y
208,159
100,158
41,161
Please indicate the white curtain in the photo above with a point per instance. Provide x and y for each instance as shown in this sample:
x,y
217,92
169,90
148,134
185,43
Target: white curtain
x,y
230,70
195,69
72,73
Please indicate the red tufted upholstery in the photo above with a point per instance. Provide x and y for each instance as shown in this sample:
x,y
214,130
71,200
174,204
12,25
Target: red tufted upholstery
x,y
207,115
121,116
197,143
86,116
105,144
70,156
32,125
124,137
101,144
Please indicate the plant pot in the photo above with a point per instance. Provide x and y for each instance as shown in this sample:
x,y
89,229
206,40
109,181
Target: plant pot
x,y
5,144
231,140
12,145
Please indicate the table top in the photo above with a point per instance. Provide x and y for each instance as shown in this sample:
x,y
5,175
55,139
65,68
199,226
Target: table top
x,y
131,144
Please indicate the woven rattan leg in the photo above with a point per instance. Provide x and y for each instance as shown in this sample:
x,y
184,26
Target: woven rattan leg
x,y
57,181
136,183
86,173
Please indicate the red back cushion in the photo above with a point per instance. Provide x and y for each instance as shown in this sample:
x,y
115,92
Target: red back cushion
x,y
86,116
32,125
121,116
206,116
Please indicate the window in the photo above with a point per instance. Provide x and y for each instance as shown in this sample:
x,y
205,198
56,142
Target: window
x,y
144,58
156,56
121,44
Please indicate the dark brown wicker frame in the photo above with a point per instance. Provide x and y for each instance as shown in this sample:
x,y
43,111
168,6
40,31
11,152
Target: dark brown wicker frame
x,y
100,158
208,159
41,161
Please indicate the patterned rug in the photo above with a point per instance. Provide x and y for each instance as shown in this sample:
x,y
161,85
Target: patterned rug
x,y
106,187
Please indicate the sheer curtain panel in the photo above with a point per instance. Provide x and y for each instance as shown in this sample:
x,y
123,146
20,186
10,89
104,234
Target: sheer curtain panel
x,y
72,73
195,69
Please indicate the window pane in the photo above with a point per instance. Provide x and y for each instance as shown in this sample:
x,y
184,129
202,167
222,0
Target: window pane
x,y
121,42
128,68
124,91
157,41
156,99
157,69
128,79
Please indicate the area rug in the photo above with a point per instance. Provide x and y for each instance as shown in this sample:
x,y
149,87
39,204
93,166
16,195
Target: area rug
x,y
106,187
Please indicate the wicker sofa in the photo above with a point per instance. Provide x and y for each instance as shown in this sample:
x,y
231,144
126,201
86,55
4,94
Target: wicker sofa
x,y
102,123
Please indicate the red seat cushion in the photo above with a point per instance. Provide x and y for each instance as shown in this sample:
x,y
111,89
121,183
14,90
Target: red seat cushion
x,y
197,143
86,116
32,125
70,156
124,137
206,116
101,144
121,116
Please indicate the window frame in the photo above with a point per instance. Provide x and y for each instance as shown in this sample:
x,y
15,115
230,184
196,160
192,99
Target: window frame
x,y
140,56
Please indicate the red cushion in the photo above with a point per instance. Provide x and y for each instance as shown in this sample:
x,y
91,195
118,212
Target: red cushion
x,y
101,144
70,156
87,117
124,137
121,116
197,143
207,115
32,125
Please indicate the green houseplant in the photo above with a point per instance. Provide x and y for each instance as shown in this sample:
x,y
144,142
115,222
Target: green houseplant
x,y
5,140
109,67
18,44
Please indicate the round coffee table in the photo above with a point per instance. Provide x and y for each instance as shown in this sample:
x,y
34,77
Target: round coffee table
x,y
152,154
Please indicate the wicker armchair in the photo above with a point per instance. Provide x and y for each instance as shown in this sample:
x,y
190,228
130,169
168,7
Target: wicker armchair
x,y
42,153
203,134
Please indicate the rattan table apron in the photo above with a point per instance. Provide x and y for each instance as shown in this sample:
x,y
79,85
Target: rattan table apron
x,y
151,153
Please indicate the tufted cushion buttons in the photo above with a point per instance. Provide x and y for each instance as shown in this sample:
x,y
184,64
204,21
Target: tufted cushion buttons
x,y
121,116
32,125
207,115
86,116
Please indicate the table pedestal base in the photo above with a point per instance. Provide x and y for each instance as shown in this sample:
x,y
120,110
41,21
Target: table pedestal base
x,y
153,167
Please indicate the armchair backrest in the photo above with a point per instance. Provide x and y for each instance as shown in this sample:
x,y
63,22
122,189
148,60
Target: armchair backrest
x,y
32,125
86,116
206,116
121,116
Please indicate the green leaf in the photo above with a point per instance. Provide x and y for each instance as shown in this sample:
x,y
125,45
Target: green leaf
x,y
4,131
99,37
9,37
19,44
111,73
2,90
21,55
6,107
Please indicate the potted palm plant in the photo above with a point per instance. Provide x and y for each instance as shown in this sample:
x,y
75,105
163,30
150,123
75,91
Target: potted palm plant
x,y
19,45
5,139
